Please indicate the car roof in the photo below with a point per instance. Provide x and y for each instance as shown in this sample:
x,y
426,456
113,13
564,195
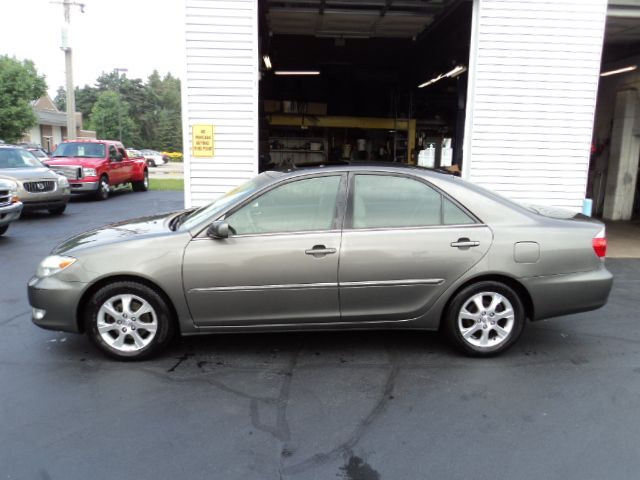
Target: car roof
x,y
388,167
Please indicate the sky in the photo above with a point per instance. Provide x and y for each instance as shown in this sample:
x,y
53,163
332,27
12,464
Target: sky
x,y
140,35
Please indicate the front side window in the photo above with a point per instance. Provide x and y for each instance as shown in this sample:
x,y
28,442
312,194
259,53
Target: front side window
x,y
298,206
385,201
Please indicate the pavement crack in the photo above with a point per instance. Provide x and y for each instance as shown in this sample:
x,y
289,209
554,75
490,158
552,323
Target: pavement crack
x,y
346,448
14,317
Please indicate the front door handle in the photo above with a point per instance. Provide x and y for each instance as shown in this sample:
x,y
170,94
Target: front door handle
x,y
465,243
320,251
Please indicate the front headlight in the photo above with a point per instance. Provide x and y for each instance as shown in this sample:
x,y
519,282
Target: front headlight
x,y
88,172
63,182
54,264
13,192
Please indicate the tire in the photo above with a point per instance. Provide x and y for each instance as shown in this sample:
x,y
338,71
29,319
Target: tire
x,y
142,185
486,331
58,210
112,325
3,229
151,163
103,188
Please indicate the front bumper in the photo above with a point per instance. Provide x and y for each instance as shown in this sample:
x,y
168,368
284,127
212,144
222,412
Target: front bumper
x,y
45,200
9,213
556,295
84,187
56,303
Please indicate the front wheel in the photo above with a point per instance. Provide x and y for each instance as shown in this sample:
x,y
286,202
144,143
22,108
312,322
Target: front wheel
x,y
129,321
103,188
141,185
484,319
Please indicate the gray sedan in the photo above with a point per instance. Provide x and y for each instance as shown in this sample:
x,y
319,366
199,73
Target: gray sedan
x,y
342,247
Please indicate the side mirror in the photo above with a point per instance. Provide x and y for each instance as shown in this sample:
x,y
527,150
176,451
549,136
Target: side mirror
x,y
118,157
218,229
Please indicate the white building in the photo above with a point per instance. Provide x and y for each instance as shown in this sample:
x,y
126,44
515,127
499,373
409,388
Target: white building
x,y
513,84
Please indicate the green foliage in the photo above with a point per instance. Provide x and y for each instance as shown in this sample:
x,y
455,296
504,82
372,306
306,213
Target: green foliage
x,y
176,184
110,116
154,108
61,99
20,85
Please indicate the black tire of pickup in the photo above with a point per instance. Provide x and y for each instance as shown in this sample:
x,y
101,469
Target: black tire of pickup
x,y
103,188
142,185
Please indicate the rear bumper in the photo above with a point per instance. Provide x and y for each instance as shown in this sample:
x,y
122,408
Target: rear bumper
x,y
55,303
557,295
84,187
10,213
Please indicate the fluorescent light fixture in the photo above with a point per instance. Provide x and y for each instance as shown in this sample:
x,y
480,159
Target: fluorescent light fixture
x,y
619,70
267,61
297,72
459,70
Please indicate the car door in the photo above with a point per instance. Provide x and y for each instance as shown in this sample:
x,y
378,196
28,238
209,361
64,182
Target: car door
x,y
126,166
116,168
279,265
403,244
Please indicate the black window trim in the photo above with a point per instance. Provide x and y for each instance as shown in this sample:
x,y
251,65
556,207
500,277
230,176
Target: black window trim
x,y
348,222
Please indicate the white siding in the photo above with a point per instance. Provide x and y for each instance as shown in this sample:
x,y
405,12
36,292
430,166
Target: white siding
x,y
533,80
220,88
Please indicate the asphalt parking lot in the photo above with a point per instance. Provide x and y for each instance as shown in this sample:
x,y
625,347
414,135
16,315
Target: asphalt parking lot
x,y
563,403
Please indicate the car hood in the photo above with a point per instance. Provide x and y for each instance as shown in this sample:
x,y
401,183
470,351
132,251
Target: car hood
x,y
80,161
27,173
127,231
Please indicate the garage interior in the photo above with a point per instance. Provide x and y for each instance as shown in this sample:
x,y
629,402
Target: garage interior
x,y
363,80
615,153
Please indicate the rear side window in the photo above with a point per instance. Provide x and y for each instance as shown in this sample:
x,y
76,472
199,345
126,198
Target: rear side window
x,y
453,214
384,201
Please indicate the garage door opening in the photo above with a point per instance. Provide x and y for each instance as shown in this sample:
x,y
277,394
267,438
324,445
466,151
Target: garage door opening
x,y
363,80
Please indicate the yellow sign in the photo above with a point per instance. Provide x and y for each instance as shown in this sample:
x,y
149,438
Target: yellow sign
x,y
202,140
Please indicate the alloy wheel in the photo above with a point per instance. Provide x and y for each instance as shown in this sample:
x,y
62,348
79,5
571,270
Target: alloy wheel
x,y
127,323
486,319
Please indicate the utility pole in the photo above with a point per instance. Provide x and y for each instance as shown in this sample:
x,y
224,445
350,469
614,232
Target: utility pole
x,y
117,71
66,47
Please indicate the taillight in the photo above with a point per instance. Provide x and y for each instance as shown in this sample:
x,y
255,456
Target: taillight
x,y
599,243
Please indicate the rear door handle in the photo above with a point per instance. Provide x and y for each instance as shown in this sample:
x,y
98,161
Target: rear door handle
x,y
320,250
465,243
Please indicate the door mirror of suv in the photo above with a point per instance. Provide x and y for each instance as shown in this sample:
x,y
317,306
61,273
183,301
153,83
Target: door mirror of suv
x,y
218,229
118,157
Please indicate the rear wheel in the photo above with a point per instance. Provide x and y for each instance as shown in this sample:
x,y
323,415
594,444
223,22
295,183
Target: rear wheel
x,y
58,210
103,188
151,163
129,321
3,229
484,319
142,185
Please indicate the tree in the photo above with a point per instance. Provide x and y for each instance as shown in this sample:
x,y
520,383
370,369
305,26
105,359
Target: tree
x,y
61,99
20,85
110,116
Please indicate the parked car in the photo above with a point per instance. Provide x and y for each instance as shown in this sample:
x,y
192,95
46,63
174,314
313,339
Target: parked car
x,y
153,157
10,205
133,153
94,166
40,153
335,247
39,188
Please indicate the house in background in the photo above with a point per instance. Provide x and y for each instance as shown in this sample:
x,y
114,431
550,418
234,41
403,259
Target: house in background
x,y
52,125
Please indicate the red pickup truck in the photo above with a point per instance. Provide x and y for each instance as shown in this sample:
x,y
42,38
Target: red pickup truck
x,y
93,166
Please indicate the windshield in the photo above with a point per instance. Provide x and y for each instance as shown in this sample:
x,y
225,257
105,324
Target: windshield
x,y
86,150
243,191
39,153
18,158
